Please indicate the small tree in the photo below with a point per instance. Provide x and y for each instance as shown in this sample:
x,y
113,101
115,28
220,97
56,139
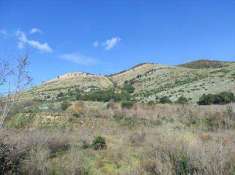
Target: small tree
x,y
182,100
16,78
165,100
128,88
65,105
99,143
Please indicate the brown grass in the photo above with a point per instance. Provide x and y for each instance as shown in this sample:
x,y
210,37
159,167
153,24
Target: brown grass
x,y
189,139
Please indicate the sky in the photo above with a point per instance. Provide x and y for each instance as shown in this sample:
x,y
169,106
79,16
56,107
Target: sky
x,y
107,36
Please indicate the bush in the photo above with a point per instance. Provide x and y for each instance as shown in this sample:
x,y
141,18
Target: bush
x,y
99,143
9,162
182,100
127,104
60,95
20,121
99,95
128,88
65,105
165,100
221,98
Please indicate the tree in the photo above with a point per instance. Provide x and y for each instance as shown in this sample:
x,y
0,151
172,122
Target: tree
x,y
221,98
182,100
165,100
128,88
15,78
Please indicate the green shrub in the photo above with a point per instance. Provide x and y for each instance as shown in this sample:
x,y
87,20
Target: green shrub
x,y
150,103
165,100
183,166
65,105
20,121
99,95
99,143
60,95
127,104
128,87
221,98
9,162
182,100
77,115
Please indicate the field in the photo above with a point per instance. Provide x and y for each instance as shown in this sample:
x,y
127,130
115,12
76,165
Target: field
x,y
104,138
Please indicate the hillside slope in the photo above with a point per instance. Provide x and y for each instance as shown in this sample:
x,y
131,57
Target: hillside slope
x,y
151,81
69,82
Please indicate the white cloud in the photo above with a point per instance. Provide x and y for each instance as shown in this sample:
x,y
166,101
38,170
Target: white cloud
x,y
79,59
23,40
110,43
3,32
35,30
96,44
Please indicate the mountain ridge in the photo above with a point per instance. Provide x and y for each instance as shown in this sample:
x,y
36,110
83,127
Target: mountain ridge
x,y
150,80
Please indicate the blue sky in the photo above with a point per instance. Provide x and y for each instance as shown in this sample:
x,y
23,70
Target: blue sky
x,y
106,36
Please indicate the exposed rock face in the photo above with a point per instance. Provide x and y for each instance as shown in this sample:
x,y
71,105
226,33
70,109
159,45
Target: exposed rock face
x,y
71,76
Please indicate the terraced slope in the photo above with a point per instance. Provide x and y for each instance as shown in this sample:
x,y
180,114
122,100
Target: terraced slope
x,y
151,81
127,75
155,81
68,82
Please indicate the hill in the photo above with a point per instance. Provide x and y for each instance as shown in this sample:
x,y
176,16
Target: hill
x,y
57,132
201,64
151,81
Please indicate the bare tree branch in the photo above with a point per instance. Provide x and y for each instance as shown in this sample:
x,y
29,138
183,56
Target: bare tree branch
x,y
17,80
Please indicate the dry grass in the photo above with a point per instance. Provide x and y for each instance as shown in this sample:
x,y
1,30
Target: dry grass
x,y
188,140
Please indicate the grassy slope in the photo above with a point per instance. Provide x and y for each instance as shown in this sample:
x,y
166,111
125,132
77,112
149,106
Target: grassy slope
x,y
153,81
157,81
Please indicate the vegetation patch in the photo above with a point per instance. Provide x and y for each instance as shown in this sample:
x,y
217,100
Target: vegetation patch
x,y
221,98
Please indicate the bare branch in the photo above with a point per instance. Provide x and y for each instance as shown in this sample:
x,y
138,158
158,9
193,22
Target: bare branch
x,y
17,79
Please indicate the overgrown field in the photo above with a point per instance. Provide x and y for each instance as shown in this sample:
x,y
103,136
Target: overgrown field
x,y
84,137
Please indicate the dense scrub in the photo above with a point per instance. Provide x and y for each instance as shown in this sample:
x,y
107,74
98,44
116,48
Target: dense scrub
x,y
221,98
107,138
202,64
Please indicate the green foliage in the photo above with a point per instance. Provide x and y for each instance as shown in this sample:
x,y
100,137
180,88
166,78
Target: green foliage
x,y
128,88
127,104
108,94
183,166
65,105
165,100
99,143
19,121
221,98
9,163
60,95
77,115
98,95
182,100
150,103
